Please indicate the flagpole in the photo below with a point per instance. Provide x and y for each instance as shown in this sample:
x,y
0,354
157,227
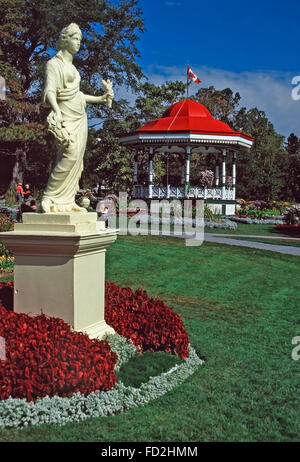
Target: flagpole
x,y
187,83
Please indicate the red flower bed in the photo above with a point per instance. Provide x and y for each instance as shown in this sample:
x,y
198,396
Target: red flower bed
x,y
147,322
44,357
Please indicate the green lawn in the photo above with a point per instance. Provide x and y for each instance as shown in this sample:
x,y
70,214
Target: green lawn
x,y
261,230
241,309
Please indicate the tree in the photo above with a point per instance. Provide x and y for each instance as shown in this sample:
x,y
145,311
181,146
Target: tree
x,y
260,171
29,30
21,132
151,103
114,162
106,161
221,103
153,100
292,180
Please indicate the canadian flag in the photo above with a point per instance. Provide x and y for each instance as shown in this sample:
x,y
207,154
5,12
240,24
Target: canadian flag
x,y
192,76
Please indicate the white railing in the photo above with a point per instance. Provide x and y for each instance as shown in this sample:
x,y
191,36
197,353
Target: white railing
x,y
180,192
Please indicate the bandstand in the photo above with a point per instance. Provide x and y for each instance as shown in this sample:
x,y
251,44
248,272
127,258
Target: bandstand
x,y
186,128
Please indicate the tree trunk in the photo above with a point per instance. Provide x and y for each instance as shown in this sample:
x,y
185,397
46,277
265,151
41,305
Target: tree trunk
x,y
19,168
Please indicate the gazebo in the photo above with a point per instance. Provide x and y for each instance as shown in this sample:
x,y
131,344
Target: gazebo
x,y
187,127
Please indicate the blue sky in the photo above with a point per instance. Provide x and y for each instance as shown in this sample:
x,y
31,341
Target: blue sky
x,y
251,47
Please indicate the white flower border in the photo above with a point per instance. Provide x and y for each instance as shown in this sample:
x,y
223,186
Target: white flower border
x,y
62,410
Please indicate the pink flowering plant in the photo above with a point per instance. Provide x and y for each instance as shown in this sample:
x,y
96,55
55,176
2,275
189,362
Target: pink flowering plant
x,y
206,178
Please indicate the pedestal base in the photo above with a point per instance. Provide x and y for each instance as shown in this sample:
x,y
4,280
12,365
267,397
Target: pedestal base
x,y
60,268
98,330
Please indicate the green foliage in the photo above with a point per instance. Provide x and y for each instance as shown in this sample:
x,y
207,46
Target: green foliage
x,y
260,171
6,263
6,257
108,161
292,169
154,99
111,28
221,103
208,213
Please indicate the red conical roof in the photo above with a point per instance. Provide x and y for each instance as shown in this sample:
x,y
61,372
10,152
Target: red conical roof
x,y
189,116
187,108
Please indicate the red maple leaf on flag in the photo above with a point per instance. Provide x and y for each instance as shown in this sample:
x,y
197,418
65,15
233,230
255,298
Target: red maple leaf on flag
x,y
192,76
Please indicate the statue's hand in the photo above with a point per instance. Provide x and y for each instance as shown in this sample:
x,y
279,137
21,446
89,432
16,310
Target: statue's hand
x,y
107,84
57,127
54,120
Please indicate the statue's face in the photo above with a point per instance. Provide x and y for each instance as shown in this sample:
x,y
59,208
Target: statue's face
x,y
72,43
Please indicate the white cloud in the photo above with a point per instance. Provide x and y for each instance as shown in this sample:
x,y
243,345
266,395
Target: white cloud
x,y
268,91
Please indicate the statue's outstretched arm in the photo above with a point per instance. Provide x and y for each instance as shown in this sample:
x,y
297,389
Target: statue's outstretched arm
x,y
107,97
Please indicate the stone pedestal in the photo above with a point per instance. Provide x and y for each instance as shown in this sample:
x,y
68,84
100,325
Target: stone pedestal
x,y
60,268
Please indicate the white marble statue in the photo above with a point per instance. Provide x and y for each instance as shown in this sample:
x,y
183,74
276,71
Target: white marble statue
x,y
68,122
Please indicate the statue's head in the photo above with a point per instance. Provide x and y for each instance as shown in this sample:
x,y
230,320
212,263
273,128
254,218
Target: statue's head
x,y
70,38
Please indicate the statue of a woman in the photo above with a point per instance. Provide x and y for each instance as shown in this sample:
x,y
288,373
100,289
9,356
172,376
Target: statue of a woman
x,y
68,122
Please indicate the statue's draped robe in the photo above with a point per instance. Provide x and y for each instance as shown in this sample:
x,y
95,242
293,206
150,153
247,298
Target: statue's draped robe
x,y
63,183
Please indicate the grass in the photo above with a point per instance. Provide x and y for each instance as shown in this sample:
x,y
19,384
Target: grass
x,y
241,309
5,277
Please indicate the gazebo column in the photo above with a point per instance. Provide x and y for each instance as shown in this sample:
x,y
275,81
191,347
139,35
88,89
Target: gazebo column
x,y
224,154
217,175
183,174
150,171
135,174
187,168
234,174
135,169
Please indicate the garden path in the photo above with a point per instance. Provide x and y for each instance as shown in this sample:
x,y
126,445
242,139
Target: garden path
x,y
225,239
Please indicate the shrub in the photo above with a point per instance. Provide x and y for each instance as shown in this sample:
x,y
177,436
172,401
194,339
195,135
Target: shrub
x,y
208,213
6,257
6,224
6,263
292,215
